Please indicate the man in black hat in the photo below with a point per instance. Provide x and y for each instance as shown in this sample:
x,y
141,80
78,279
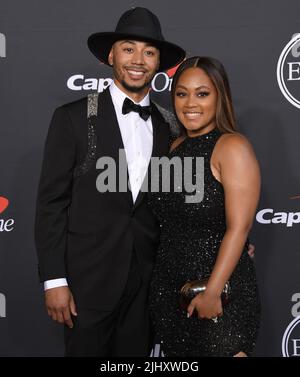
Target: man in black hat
x,y
96,249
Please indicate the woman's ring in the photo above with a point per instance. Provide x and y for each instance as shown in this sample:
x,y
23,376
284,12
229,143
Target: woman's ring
x,y
215,319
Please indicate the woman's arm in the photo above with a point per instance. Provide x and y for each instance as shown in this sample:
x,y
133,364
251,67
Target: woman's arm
x,y
240,176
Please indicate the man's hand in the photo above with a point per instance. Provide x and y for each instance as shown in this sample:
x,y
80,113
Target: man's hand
x,y
60,305
251,250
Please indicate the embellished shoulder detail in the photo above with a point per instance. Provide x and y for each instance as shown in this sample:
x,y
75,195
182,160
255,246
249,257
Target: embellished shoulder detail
x,y
92,112
170,118
92,105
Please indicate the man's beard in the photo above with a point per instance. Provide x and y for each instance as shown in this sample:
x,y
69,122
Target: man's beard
x,y
132,88
135,89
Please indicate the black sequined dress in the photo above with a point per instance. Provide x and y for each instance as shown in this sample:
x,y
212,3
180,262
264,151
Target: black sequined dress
x,y
191,235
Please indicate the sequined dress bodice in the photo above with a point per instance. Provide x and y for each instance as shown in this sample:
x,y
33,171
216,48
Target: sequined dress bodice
x,y
171,207
189,223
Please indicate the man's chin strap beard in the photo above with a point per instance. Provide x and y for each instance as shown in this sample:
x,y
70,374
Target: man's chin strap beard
x,y
135,89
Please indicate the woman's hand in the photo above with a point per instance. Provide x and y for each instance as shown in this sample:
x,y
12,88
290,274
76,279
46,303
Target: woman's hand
x,y
207,305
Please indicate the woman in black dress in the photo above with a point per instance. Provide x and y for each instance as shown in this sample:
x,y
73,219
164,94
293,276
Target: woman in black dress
x,y
207,238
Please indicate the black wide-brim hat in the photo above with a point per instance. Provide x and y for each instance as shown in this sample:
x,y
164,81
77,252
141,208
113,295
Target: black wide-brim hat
x,y
142,25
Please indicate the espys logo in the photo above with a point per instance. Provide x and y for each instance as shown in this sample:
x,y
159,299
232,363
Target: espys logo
x,y
2,305
291,338
2,46
161,81
288,71
5,225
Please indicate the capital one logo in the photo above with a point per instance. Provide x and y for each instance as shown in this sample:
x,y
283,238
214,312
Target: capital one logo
x,y
288,71
269,216
6,225
2,305
2,46
161,82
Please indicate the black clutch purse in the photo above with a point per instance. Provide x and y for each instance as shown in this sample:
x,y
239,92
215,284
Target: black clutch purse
x,y
191,288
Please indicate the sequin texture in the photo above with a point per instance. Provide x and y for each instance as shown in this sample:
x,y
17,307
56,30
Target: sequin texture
x,y
92,111
191,235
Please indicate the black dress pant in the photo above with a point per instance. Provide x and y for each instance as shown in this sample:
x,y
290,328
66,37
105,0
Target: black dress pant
x,y
125,332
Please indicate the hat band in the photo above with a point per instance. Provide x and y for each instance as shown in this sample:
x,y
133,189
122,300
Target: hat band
x,y
140,32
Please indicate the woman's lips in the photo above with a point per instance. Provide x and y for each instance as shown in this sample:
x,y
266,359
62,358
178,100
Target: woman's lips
x,y
192,114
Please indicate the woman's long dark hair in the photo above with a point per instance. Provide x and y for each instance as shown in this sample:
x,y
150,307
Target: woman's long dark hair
x,y
225,117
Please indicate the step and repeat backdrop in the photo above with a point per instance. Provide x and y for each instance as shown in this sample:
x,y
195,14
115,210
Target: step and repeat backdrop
x,y
45,62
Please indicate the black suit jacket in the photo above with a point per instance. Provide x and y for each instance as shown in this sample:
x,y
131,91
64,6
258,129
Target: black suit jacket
x,y
82,234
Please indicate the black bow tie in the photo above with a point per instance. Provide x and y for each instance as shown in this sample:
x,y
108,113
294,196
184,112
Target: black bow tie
x,y
144,111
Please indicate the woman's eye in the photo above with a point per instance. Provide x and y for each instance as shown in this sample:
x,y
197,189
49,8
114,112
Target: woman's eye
x,y
180,94
203,94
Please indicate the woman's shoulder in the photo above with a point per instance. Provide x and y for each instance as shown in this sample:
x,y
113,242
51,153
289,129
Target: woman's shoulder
x,y
233,142
231,146
233,138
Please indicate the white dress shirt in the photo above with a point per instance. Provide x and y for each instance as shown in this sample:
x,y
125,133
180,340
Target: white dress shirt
x,y
137,137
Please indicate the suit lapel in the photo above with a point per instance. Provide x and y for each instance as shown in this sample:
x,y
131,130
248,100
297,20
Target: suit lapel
x,y
109,138
107,128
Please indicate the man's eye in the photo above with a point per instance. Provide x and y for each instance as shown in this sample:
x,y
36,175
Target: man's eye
x,y
149,53
128,49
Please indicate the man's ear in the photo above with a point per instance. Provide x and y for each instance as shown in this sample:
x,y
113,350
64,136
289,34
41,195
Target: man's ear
x,y
111,56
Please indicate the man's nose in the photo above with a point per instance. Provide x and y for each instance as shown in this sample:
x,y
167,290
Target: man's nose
x,y
138,57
